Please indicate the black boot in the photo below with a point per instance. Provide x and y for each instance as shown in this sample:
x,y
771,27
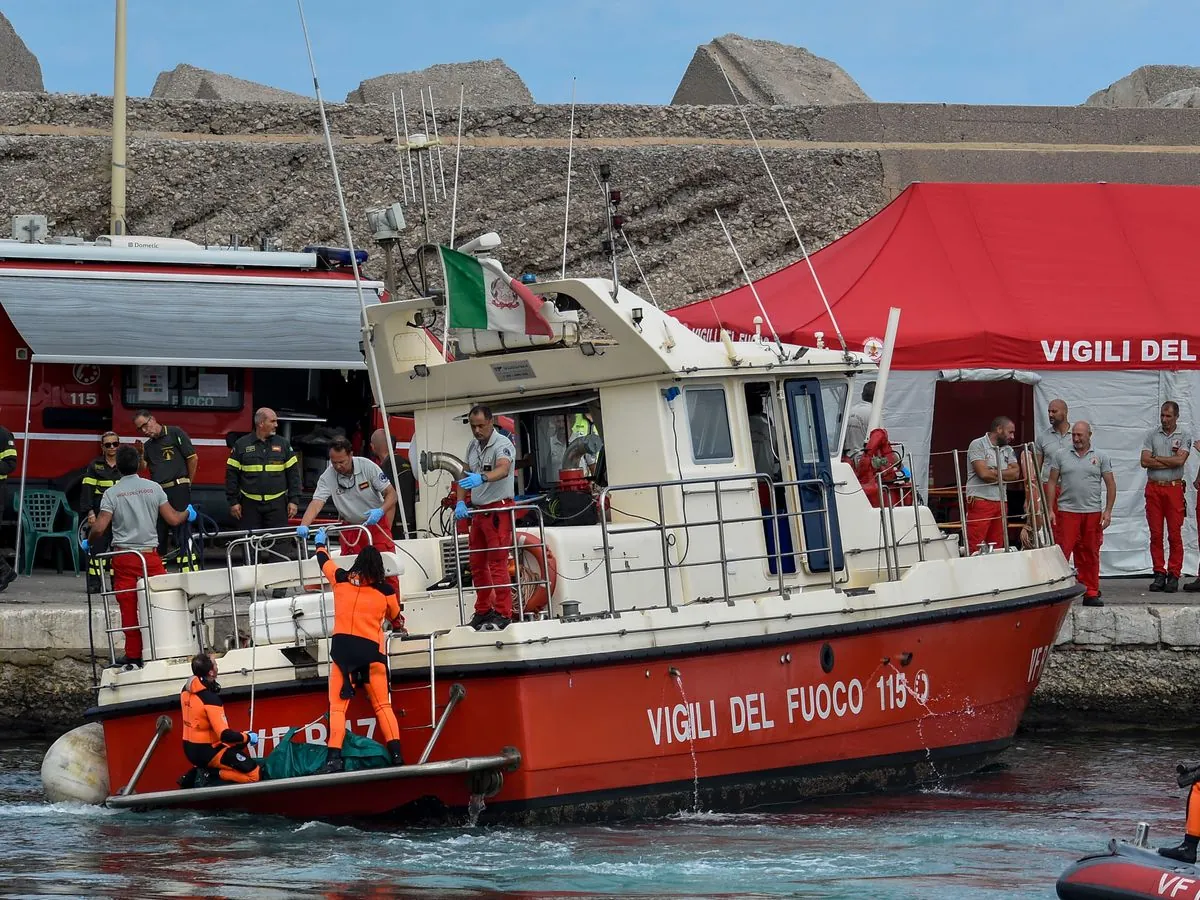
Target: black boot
x,y
394,750
334,761
1185,852
1160,581
1171,585
7,574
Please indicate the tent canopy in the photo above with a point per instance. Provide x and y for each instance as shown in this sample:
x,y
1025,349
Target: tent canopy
x,y
133,319
1014,276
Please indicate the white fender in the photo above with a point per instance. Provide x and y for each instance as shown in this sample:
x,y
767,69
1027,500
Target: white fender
x,y
75,768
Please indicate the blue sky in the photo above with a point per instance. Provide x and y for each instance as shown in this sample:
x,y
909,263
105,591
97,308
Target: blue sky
x,y
624,51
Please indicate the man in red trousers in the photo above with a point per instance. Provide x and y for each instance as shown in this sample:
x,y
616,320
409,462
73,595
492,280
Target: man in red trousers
x,y
985,513
132,506
1079,522
1164,453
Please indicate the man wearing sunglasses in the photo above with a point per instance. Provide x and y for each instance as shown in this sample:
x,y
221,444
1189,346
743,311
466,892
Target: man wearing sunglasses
x,y
171,461
101,474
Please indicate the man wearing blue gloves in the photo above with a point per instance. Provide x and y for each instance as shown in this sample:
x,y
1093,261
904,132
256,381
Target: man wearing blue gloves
x,y
362,495
489,478
132,506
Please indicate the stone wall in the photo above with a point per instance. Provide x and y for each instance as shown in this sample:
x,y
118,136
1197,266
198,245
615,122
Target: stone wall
x,y
204,170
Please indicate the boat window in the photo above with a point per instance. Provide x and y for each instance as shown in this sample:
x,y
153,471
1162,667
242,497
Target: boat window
x,y
181,387
833,405
806,429
708,421
551,437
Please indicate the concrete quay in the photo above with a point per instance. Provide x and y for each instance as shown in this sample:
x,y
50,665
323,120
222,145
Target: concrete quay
x,y
1133,662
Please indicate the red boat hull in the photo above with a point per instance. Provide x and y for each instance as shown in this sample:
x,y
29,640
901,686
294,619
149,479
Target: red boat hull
x,y
730,725
1126,872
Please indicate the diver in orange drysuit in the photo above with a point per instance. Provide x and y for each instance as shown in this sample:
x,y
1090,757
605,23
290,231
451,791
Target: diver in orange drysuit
x,y
1186,851
362,600
208,741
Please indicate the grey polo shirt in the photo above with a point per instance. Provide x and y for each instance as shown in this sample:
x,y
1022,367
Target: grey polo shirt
x,y
356,494
1082,479
856,427
133,502
1050,444
483,460
1159,443
983,448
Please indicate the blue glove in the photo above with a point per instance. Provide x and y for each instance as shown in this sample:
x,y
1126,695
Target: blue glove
x,y
373,517
252,739
191,513
320,537
461,511
470,480
302,532
84,545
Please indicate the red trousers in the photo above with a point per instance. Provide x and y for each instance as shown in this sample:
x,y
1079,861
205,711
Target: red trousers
x,y
354,540
491,545
1080,534
985,523
127,569
1164,501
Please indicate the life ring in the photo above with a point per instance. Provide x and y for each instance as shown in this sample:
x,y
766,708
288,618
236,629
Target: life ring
x,y
537,565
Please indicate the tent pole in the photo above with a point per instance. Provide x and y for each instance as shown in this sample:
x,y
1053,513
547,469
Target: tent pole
x,y
875,420
24,470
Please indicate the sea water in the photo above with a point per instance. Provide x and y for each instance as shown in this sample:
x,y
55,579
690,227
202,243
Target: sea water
x,y
1007,832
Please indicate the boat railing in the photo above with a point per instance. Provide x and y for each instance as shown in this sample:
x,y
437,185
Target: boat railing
x,y
108,594
1035,531
526,584
768,514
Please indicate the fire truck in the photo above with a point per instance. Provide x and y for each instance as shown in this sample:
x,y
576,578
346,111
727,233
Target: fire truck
x,y
91,332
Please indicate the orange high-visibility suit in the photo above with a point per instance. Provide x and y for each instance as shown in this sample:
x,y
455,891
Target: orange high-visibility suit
x,y
208,741
359,612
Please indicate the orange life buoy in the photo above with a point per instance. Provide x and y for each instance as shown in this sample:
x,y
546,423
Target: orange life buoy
x,y
537,565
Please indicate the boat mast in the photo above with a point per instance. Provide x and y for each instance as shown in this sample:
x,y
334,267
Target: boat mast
x,y
116,221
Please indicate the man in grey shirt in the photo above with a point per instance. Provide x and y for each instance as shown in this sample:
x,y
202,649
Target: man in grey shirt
x,y
362,495
1048,444
133,506
1079,522
1164,453
856,422
985,513
489,478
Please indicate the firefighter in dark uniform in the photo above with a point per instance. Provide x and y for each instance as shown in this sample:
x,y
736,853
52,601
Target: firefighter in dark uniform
x,y
101,474
170,460
262,476
8,464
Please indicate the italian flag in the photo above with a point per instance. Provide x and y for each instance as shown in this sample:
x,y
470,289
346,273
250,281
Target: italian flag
x,y
479,294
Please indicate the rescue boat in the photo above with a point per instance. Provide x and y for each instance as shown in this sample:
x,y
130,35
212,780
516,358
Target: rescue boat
x,y
1127,871
689,632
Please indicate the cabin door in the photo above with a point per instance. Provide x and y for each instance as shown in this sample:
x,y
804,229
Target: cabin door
x,y
816,493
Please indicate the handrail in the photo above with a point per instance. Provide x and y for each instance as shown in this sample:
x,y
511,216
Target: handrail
x,y
773,518
106,593
513,548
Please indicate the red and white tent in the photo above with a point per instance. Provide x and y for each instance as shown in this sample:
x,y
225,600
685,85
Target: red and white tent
x,y
1090,291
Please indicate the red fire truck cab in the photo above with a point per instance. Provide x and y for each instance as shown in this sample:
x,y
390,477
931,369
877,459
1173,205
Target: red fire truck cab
x,y
199,336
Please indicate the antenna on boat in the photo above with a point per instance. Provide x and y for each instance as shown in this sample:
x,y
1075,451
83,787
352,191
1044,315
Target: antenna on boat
x,y
368,345
438,142
412,181
462,92
396,124
570,156
778,193
753,289
425,127
613,222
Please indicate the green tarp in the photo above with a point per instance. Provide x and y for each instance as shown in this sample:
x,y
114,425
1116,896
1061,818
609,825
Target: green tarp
x,y
291,758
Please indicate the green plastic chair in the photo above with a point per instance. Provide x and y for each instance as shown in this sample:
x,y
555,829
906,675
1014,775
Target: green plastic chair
x,y
38,518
